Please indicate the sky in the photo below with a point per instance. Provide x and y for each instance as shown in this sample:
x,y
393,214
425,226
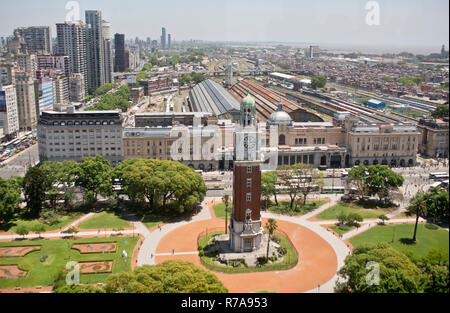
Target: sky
x,y
334,23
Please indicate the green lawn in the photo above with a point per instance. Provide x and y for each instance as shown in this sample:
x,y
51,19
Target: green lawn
x,y
58,251
105,219
346,208
289,260
285,207
153,219
219,210
30,224
342,229
427,239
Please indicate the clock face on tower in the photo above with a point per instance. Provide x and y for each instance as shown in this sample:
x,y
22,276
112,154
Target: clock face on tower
x,y
249,142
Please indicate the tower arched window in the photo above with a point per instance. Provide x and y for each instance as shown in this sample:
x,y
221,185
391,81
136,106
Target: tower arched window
x,y
282,140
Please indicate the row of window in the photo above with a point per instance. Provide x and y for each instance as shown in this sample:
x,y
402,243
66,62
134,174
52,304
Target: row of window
x,y
84,149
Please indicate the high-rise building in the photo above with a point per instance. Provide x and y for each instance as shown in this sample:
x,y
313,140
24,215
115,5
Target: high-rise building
x,y
163,38
107,50
7,74
26,100
76,88
44,94
119,60
95,49
17,44
71,41
27,63
58,62
38,38
169,41
9,118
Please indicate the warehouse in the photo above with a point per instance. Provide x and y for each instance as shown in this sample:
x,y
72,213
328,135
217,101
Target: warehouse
x,y
209,96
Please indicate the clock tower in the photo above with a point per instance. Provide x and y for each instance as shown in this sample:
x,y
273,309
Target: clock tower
x,y
246,224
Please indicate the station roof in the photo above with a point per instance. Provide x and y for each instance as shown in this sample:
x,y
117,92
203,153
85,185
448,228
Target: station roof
x,y
209,96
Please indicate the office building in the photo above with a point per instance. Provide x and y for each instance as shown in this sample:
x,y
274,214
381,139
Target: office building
x,y
74,135
119,60
163,38
434,137
169,41
27,63
53,62
76,88
95,49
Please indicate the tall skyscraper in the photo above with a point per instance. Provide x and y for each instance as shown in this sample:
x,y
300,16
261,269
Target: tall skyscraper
x,y
71,41
169,41
163,38
95,49
107,50
38,38
119,60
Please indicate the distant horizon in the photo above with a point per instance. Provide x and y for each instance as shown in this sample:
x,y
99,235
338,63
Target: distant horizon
x,y
421,26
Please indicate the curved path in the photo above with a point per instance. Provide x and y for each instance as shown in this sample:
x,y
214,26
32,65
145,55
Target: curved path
x,y
320,252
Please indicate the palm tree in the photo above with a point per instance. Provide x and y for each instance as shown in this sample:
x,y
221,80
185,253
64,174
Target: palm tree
x,y
271,226
226,201
417,206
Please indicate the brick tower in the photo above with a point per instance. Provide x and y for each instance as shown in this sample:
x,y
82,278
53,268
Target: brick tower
x,y
246,224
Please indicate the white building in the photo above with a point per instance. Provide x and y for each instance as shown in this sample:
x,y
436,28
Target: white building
x,y
74,135
9,118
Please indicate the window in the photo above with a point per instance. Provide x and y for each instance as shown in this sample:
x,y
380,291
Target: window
x,y
249,170
249,182
248,214
249,197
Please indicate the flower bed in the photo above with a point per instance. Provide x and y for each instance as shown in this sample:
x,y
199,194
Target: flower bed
x,y
17,251
91,248
11,271
99,267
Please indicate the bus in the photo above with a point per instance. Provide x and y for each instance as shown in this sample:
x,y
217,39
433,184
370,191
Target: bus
x,y
439,175
330,190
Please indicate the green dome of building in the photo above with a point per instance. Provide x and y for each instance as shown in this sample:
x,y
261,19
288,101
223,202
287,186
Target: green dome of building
x,y
248,101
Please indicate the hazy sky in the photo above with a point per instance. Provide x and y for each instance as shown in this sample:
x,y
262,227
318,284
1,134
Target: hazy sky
x,y
333,22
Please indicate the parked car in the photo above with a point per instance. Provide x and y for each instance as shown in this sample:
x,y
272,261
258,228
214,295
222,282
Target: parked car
x,y
349,197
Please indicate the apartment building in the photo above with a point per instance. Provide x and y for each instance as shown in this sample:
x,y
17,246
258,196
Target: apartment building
x,y
73,135
9,117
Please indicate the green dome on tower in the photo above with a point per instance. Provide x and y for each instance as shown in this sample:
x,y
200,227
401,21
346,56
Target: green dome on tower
x,y
248,101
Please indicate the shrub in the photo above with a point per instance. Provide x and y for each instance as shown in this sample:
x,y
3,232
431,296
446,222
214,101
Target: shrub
x,y
261,261
50,217
431,226
282,250
276,239
201,253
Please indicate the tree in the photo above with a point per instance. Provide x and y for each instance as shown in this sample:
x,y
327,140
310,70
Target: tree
x,y
268,189
382,180
357,177
396,272
168,277
438,204
286,176
226,201
354,219
417,206
318,82
104,89
9,199
36,184
342,218
440,111
63,177
94,176
383,219
154,183
307,179
271,226
22,230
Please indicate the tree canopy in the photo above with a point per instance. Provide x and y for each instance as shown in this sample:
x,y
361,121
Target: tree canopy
x,y
94,176
36,184
9,199
159,183
168,277
440,111
113,101
103,89
318,82
374,180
